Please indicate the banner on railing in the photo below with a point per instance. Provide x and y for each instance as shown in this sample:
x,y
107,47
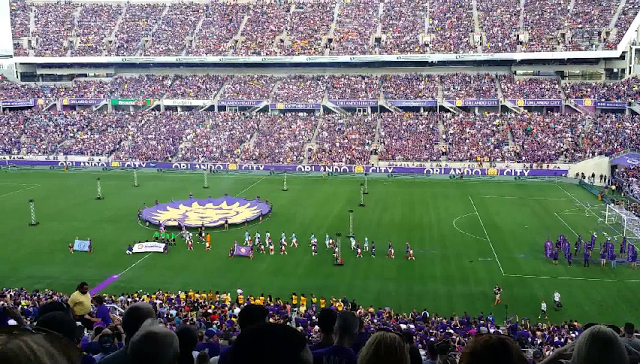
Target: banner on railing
x,y
475,102
354,103
413,103
80,102
185,102
301,168
249,103
17,103
536,102
294,106
132,102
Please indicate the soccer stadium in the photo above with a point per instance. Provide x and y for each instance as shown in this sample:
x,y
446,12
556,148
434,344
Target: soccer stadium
x,y
319,181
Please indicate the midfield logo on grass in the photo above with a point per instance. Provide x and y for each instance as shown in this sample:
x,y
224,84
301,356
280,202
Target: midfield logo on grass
x,y
210,212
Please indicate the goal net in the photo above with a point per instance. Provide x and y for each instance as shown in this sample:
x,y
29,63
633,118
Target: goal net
x,y
628,223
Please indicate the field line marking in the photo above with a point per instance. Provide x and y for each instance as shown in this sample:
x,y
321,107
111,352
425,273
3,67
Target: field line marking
x,y
487,235
565,223
248,188
575,278
527,198
572,196
464,232
134,264
20,190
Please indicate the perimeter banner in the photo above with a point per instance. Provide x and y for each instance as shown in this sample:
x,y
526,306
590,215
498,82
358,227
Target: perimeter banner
x,y
611,105
294,106
475,102
240,102
80,102
414,103
354,103
17,103
132,102
302,168
629,159
149,247
536,102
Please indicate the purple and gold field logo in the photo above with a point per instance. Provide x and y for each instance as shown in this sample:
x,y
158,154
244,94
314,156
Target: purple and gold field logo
x,y
492,172
207,212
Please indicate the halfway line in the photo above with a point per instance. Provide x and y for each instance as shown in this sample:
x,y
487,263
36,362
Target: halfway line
x,y
134,264
487,235
247,189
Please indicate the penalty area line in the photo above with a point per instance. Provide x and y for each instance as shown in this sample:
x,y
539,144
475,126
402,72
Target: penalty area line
x,y
565,223
20,190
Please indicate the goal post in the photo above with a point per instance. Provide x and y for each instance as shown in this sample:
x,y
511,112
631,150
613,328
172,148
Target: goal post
x,y
626,220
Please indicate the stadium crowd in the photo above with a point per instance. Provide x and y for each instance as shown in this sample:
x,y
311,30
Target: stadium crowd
x,y
627,90
530,88
75,29
460,86
629,179
237,327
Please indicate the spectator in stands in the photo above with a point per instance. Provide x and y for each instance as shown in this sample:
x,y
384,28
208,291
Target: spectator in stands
x,y
209,344
202,358
495,349
132,320
80,302
271,343
25,346
153,344
598,344
326,323
252,315
188,339
385,347
102,311
345,330
414,352
629,337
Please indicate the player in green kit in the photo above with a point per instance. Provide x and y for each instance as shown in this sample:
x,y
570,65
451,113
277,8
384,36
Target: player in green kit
x,y
156,235
173,239
163,236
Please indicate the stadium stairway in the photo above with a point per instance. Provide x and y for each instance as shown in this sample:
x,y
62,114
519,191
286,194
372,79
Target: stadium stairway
x,y
635,107
216,97
112,36
238,37
383,102
504,102
75,41
141,45
613,22
195,33
476,22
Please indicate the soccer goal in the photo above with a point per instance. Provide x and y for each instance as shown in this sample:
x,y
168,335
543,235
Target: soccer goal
x,y
628,222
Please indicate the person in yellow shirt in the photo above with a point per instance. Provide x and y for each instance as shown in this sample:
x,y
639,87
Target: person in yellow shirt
x,y
303,301
240,300
339,305
80,302
262,298
314,300
227,299
190,294
323,302
294,300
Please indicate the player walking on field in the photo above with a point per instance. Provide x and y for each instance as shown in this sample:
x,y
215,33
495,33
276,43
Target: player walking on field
x,y
543,310
497,291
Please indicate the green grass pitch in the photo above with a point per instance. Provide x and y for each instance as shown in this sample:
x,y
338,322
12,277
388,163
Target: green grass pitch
x,y
456,249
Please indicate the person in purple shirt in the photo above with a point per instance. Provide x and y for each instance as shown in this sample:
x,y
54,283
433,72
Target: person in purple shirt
x,y
340,352
603,258
209,344
102,311
555,256
587,254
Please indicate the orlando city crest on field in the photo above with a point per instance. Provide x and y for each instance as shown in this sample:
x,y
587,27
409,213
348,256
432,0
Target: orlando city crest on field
x,y
206,212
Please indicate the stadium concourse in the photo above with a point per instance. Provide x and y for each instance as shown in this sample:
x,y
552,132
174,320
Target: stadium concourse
x,y
243,327
324,27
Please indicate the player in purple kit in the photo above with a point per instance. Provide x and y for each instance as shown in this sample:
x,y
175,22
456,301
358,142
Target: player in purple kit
x,y
587,254
578,243
623,247
603,258
407,248
231,253
569,259
556,252
373,249
314,250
